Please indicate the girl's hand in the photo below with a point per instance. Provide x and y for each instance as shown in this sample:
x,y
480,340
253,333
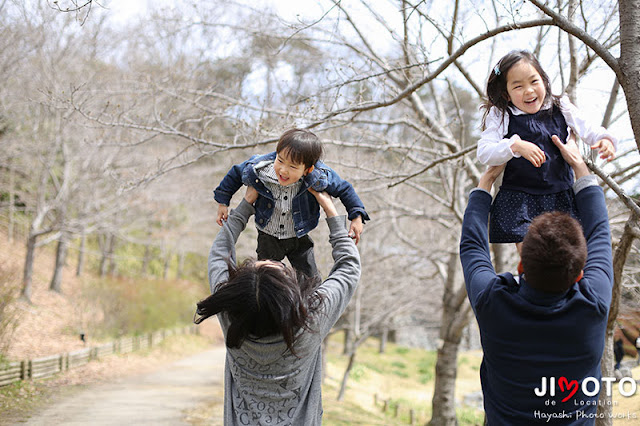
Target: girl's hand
x,y
325,202
605,149
223,214
356,229
251,195
530,151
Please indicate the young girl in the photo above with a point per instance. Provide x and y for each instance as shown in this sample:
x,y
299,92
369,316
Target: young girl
x,y
521,116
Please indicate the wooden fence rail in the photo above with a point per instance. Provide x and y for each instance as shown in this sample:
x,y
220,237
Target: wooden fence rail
x,y
125,345
393,408
104,350
78,358
13,372
39,368
47,366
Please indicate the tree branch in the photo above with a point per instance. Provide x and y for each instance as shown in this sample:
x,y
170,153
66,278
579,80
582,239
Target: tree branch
x,y
562,22
626,200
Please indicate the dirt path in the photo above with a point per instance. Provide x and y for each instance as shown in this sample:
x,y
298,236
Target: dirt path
x,y
171,396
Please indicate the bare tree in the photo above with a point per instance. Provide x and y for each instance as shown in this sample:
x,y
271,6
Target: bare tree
x,y
391,88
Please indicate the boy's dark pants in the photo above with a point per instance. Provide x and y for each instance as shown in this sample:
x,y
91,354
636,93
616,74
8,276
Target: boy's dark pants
x,y
299,251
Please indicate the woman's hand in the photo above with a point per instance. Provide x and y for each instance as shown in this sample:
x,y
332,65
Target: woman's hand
x,y
251,195
223,214
325,202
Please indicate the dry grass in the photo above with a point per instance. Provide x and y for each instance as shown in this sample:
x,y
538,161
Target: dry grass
x,y
52,322
401,376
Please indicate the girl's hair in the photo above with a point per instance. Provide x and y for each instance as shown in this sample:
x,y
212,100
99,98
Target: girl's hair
x,y
497,83
263,300
302,146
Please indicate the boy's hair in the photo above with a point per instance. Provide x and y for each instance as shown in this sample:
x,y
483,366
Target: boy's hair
x,y
263,300
554,252
302,146
497,95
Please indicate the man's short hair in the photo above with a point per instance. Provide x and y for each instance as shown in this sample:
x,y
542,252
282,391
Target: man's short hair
x,y
302,146
554,252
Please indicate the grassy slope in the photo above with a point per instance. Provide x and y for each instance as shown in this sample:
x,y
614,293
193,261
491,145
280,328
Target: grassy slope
x,y
402,376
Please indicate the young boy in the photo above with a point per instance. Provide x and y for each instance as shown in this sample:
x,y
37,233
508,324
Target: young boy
x,y
285,210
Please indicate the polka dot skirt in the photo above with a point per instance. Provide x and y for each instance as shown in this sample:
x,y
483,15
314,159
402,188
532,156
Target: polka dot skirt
x,y
512,212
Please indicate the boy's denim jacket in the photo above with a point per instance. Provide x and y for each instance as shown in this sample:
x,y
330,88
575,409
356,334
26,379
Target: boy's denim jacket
x,y
305,208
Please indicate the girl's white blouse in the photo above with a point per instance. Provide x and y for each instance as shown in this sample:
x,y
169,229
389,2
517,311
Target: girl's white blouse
x,y
494,149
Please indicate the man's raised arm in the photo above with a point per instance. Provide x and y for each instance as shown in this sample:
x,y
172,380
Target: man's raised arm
x,y
474,241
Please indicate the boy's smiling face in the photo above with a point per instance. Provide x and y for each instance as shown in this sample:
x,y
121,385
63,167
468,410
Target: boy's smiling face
x,y
287,171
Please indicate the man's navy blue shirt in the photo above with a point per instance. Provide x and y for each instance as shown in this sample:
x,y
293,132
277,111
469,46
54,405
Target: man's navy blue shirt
x,y
528,335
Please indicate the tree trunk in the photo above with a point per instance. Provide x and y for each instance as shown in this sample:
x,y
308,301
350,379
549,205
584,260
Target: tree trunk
x,y
345,377
623,248
61,257
456,313
629,11
444,404
499,257
383,339
12,204
107,254
180,271
28,268
573,69
112,258
146,259
604,411
80,267
167,264
347,347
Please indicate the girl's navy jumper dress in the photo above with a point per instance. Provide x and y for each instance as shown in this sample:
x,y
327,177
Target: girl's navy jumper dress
x,y
528,191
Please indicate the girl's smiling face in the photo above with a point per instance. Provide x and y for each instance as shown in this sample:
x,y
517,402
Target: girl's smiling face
x,y
525,87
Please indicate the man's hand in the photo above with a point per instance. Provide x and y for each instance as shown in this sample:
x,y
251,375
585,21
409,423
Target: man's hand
x,y
223,214
605,149
356,229
530,151
571,154
489,176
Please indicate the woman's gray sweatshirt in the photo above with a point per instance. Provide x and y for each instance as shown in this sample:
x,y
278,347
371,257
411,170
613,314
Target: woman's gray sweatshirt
x,y
264,383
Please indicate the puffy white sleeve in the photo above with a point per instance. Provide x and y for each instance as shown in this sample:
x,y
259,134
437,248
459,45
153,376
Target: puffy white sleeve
x,y
586,129
493,148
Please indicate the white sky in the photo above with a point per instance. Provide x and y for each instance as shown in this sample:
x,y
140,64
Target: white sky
x,y
126,9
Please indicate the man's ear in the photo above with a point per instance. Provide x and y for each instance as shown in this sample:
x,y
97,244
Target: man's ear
x,y
520,268
580,275
309,170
